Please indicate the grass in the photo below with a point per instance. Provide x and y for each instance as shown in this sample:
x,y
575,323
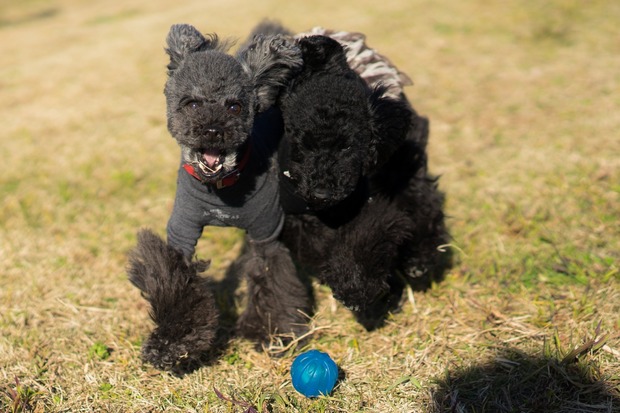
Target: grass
x,y
524,110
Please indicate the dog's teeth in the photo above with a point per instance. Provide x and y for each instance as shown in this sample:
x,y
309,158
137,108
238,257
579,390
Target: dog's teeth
x,y
208,170
287,174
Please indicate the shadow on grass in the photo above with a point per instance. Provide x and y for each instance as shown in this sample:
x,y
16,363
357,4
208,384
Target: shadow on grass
x,y
518,382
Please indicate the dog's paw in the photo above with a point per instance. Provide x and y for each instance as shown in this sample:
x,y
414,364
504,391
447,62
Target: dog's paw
x,y
271,335
176,346
252,327
164,355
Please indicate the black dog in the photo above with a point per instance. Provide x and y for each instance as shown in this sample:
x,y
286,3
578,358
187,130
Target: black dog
x,y
219,109
353,167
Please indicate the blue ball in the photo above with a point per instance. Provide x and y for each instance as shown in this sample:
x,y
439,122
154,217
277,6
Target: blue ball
x,y
314,373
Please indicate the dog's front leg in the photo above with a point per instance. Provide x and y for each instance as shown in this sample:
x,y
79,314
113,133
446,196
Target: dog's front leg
x,y
182,305
278,302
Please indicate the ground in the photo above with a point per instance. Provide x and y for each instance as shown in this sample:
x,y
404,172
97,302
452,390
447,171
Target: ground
x,y
525,111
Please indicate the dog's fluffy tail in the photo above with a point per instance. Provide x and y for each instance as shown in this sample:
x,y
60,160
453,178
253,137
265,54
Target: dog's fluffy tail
x,y
182,305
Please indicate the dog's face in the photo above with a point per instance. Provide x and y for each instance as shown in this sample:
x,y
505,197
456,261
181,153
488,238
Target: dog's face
x,y
326,121
210,104
323,151
337,129
212,97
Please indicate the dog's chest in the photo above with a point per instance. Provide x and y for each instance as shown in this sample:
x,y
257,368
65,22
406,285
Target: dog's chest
x,y
251,204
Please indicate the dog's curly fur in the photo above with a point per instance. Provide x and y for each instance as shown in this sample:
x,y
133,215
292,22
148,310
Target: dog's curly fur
x,y
336,128
182,305
355,158
212,98
277,301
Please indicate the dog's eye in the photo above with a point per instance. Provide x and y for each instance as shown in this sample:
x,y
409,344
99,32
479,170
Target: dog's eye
x,y
192,104
234,108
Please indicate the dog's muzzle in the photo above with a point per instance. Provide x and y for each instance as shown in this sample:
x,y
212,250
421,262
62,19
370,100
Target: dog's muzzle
x,y
209,168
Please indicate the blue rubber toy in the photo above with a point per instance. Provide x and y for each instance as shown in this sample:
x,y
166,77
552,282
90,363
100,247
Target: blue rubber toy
x,y
314,373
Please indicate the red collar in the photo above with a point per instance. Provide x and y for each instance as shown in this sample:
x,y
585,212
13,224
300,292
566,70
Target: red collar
x,y
227,180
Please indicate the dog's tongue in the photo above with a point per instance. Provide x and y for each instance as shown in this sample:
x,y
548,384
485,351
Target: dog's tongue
x,y
211,157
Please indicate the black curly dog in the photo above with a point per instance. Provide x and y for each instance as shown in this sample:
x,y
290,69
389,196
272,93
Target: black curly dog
x,y
219,109
362,212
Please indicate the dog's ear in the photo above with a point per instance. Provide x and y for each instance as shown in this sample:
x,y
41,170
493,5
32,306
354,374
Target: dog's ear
x,y
184,39
323,53
270,61
391,121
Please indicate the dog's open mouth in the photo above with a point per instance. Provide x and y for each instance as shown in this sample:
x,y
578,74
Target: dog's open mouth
x,y
210,161
213,165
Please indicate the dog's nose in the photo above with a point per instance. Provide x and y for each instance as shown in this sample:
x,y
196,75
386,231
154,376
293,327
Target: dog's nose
x,y
213,132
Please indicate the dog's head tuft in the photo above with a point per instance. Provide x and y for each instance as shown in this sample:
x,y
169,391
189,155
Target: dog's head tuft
x,y
184,39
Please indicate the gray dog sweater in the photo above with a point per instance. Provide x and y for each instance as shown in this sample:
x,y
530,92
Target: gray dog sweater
x,y
252,203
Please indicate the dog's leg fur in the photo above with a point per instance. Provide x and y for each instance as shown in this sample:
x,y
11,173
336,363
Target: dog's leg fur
x,y
422,261
278,302
182,306
405,180
365,254
308,239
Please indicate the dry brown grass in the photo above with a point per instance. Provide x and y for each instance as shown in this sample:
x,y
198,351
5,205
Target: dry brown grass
x,y
525,112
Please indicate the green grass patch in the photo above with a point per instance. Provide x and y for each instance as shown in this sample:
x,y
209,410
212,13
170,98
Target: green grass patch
x,y
99,351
